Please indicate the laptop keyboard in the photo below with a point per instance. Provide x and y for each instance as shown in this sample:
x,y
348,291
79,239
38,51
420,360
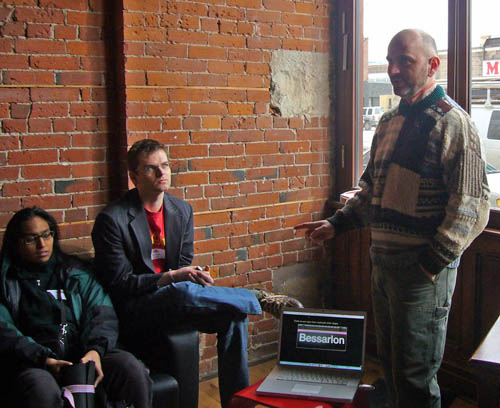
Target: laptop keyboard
x,y
306,376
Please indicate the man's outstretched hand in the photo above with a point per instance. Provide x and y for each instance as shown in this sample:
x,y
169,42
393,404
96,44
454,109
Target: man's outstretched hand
x,y
318,231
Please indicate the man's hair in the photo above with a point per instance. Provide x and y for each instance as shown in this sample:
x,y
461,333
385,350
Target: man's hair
x,y
429,43
144,146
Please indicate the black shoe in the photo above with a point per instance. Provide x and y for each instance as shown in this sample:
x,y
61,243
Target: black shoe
x,y
274,304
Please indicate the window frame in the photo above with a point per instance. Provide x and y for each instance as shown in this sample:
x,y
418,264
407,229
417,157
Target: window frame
x,y
348,64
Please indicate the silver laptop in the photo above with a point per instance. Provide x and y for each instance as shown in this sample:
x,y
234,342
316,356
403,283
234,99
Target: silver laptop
x,y
321,355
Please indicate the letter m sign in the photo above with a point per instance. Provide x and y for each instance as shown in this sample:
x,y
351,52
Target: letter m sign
x,y
491,68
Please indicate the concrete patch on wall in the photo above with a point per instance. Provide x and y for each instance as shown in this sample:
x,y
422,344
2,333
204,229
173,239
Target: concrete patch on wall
x,y
299,83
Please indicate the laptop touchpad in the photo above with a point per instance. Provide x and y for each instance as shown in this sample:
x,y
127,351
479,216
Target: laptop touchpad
x,y
305,388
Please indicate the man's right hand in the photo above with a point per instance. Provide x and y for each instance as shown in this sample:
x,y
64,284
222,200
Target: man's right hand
x,y
188,273
318,231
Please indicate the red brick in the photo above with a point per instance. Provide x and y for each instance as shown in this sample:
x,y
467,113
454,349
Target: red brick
x,y
226,150
245,3
204,52
263,250
219,244
262,148
244,162
57,94
47,201
82,155
228,203
261,173
214,108
144,34
26,77
38,31
227,176
167,50
187,37
245,55
9,173
64,32
166,78
9,142
33,46
64,124
80,78
44,110
279,236
145,63
230,13
209,137
264,16
245,81
26,188
248,214
85,19
211,123
14,61
245,28
39,125
94,48
49,140
211,218
297,44
190,151
150,95
189,179
9,204
227,95
264,42
187,7
224,40
14,95
54,62
12,28
39,15
89,170
14,126
207,80
261,276
240,108
264,225
45,171
188,95
186,65
263,199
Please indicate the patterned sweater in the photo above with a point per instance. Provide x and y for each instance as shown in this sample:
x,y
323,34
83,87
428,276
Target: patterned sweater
x,y
425,187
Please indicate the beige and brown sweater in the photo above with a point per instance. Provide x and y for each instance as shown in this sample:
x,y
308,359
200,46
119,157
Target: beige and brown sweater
x,y
425,185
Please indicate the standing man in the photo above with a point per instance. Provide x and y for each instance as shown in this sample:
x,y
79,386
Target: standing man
x,y
424,195
143,251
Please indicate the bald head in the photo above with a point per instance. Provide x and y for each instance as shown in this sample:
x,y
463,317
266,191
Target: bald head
x,y
413,62
418,37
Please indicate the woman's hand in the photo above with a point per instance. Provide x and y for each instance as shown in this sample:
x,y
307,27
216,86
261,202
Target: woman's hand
x,y
94,356
54,366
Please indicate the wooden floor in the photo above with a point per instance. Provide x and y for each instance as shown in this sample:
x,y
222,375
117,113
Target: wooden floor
x,y
209,389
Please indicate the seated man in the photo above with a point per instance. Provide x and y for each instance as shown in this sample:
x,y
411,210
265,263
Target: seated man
x,y
143,252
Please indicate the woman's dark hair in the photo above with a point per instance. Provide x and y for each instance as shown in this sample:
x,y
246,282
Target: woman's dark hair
x,y
13,231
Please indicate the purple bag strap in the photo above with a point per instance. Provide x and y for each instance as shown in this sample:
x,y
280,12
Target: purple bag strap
x,y
69,390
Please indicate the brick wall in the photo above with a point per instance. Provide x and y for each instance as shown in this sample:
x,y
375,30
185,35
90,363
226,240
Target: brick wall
x,y
82,80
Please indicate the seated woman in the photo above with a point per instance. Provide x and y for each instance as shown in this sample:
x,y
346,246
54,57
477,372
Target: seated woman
x,y
53,313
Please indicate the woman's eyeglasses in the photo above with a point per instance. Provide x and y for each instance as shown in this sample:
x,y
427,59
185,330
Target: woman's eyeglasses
x,y
32,239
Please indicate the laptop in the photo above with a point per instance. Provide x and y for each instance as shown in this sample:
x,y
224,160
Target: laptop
x,y
321,355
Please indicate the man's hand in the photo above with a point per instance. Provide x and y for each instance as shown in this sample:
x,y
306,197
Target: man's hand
x,y
54,366
318,231
428,274
94,356
188,273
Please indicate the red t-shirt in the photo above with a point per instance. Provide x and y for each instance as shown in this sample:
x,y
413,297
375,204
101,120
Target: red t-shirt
x,y
157,230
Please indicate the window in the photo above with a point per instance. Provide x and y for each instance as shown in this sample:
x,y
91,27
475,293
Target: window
x,y
360,44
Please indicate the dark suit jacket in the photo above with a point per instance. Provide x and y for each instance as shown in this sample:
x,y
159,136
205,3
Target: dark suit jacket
x,y
122,244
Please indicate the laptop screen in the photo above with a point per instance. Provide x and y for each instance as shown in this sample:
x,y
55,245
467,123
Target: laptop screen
x,y
331,339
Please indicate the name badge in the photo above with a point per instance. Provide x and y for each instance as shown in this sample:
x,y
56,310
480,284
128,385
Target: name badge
x,y
157,253
54,293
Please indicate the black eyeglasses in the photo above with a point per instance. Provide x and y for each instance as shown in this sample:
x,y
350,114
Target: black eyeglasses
x,y
32,239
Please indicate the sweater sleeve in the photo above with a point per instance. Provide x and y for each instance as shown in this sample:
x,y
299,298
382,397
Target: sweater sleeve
x,y
467,210
355,212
